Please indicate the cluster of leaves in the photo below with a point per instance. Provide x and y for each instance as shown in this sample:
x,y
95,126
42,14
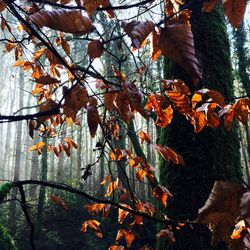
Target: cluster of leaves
x,y
121,99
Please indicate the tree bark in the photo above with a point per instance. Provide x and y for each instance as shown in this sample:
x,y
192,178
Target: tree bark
x,y
210,155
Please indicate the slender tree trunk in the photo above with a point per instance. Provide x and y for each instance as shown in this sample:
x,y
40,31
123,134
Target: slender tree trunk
x,y
209,155
42,190
18,150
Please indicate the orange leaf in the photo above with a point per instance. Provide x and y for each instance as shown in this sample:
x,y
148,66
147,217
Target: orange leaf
x,y
129,236
138,31
141,173
144,137
60,202
67,21
111,187
235,11
156,51
134,162
95,49
37,146
122,214
169,154
95,208
93,224
105,180
161,194
116,247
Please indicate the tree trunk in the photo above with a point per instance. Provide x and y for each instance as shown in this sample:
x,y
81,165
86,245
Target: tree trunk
x,y
17,164
209,155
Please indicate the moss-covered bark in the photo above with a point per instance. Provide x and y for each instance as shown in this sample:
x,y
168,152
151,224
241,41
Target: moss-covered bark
x,y
210,155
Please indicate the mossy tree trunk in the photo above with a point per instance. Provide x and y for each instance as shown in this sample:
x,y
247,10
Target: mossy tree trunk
x,y
209,155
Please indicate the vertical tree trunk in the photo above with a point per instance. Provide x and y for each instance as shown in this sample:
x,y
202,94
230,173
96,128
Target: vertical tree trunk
x,y
210,155
42,190
17,164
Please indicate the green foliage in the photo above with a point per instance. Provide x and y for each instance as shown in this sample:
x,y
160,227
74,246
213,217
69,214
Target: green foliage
x,y
6,241
4,190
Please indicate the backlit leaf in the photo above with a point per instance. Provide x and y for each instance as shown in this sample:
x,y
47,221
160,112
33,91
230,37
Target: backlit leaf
x,y
234,11
161,194
138,31
95,49
60,202
129,236
67,21
93,224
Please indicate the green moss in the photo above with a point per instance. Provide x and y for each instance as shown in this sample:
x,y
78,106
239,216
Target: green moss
x,y
4,190
6,241
210,155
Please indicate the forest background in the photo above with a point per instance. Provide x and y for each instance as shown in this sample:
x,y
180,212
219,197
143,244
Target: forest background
x,y
90,142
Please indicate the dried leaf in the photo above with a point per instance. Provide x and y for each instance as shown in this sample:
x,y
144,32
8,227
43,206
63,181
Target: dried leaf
x,y
67,21
161,194
169,154
37,146
91,5
209,5
111,187
92,116
60,202
235,11
95,49
167,233
122,214
129,236
221,209
138,31
176,42
75,99
93,224
144,137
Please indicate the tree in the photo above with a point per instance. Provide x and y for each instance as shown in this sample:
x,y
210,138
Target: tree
x,y
64,88
211,154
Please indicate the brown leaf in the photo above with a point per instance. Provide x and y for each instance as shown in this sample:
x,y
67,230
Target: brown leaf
x,y
60,202
95,49
235,11
95,208
92,116
161,194
66,47
169,154
67,21
138,31
111,187
75,99
176,42
93,224
46,79
167,233
116,247
91,5
109,99
156,51
32,126
122,214
209,5
221,209
144,137
129,236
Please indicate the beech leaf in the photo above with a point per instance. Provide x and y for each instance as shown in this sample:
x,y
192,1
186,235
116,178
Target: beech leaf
x,y
221,209
67,21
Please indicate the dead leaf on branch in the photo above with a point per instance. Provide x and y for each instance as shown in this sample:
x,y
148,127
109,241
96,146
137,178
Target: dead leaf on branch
x,y
209,5
93,118
167,233
235,10
60,202
128,235
67,21
93,224
95,49
138,31
221,209
161,194
176,42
